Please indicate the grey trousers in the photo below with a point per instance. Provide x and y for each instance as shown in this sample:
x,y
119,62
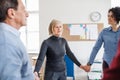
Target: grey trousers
x,y
51,75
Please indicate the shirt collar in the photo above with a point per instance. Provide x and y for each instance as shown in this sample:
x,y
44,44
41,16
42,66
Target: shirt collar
x,y
55,37
110,29
10,28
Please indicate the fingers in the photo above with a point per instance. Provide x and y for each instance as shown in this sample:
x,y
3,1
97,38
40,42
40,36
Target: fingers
x,y
81,66
85,68
36,76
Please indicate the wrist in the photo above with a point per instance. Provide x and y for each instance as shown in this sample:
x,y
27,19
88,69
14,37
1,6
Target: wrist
x,y
89,64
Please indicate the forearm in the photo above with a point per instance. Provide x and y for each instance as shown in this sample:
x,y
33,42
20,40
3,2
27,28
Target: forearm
x,y
74,59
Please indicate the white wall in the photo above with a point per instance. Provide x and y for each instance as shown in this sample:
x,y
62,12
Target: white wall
x,y
82,52
70,11
73,11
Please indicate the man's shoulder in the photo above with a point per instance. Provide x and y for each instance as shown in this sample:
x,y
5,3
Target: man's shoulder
x,y
7,38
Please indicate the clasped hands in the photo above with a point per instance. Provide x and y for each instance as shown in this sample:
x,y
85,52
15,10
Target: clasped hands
x,y
85,67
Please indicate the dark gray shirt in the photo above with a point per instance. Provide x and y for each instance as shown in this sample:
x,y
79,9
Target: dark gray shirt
x,y
54,48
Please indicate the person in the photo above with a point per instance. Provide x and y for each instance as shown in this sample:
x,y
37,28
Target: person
x,y
113,73
54,48
14,61
109,36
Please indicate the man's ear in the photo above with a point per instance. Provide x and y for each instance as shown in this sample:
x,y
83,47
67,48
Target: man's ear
x,y
11,13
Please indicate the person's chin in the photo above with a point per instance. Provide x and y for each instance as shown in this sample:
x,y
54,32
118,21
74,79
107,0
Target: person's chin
x,y
25,24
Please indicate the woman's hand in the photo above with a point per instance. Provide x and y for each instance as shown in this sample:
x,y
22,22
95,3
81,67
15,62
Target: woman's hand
x,y
36,76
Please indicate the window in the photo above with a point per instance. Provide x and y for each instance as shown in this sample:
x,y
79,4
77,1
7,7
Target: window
x,y
30,33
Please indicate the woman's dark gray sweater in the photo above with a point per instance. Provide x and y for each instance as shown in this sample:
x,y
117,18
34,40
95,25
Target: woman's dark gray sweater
x,y
54,48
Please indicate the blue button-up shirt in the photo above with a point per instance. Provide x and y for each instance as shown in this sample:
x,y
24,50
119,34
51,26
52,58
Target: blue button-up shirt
x,y
109,39
14,62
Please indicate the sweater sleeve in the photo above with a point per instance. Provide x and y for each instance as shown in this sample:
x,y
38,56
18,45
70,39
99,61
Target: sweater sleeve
x,y
41,56
71,55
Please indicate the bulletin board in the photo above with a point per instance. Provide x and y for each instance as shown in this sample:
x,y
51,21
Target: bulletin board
x,y
82,31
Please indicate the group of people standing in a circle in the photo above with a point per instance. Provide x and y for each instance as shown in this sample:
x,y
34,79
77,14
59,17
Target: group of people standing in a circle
x,y
14,61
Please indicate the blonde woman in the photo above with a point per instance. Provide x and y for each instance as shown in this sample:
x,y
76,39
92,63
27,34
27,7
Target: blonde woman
x,y
54,48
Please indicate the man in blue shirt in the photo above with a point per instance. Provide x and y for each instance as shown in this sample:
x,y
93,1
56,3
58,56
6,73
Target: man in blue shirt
x,y
14,62
110,37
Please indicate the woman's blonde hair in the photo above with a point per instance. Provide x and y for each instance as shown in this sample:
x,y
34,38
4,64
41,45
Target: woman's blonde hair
x,y
52,25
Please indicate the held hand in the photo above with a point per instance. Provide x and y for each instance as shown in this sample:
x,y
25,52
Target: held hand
x,y
87,68
36,76
82,67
